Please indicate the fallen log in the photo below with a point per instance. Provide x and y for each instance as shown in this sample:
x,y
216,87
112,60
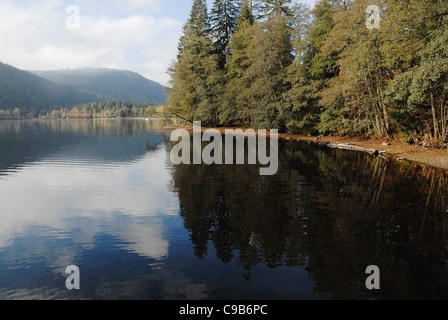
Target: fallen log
x,y
347,146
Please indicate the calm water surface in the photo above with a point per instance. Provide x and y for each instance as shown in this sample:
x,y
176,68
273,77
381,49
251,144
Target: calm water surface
x,y
103,195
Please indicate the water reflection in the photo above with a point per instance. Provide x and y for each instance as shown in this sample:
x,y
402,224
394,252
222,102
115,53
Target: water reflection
x,y
23,142
81,192
104,196
330,212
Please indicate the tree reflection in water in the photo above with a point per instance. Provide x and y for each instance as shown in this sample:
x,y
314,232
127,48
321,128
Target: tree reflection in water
x,y
330,212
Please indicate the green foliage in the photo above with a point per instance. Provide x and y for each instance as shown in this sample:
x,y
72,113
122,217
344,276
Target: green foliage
x,y
419,89
235,103
91,110
196,77
246,13
271,55
357,91
323,71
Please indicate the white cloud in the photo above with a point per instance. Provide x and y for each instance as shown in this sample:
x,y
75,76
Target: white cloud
x,y
131,35
92,197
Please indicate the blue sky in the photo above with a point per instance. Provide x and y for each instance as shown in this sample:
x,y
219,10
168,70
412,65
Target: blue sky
x,y
136,35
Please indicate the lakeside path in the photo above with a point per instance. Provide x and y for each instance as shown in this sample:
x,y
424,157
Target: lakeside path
x,y
391,150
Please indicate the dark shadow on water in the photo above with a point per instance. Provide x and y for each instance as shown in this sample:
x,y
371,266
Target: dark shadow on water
x,y
330,212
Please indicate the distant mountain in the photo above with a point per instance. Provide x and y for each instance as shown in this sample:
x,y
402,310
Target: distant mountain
x,y
109,84
37,92
34,94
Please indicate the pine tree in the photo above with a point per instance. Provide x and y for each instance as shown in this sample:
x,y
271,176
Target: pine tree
x,y
274,7
235,100
315,71
198,25
223,20
300,110
195,78
246,13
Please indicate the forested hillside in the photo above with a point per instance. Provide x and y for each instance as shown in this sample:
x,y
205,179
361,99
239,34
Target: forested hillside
x,y
28,94
279,64
76,93
109,84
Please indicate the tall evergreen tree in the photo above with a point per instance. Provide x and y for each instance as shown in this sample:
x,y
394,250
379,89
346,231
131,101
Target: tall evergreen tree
x,y
194,76
300,110
235,101
246,13
279,65
198,25
274,7
223,19
199,22
320,67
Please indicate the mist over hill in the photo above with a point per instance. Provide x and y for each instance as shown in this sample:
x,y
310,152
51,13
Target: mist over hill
x,y
109,84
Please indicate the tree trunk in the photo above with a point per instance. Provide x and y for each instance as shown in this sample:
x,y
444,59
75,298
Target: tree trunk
x,y
436,124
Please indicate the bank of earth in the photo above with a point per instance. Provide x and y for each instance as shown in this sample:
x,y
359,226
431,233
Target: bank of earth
x,y
393,150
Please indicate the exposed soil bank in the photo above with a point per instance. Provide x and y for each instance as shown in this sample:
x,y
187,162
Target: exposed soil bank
x,y
392,150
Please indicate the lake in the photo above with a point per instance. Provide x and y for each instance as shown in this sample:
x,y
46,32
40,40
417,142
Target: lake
x,y
103,195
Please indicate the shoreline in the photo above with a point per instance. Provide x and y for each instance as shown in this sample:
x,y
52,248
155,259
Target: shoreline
x,y
390,150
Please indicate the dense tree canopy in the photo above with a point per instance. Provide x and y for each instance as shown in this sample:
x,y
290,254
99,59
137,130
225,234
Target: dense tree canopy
x,y
279,64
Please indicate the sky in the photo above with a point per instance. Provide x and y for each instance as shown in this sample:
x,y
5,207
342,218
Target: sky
x,y
135,35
